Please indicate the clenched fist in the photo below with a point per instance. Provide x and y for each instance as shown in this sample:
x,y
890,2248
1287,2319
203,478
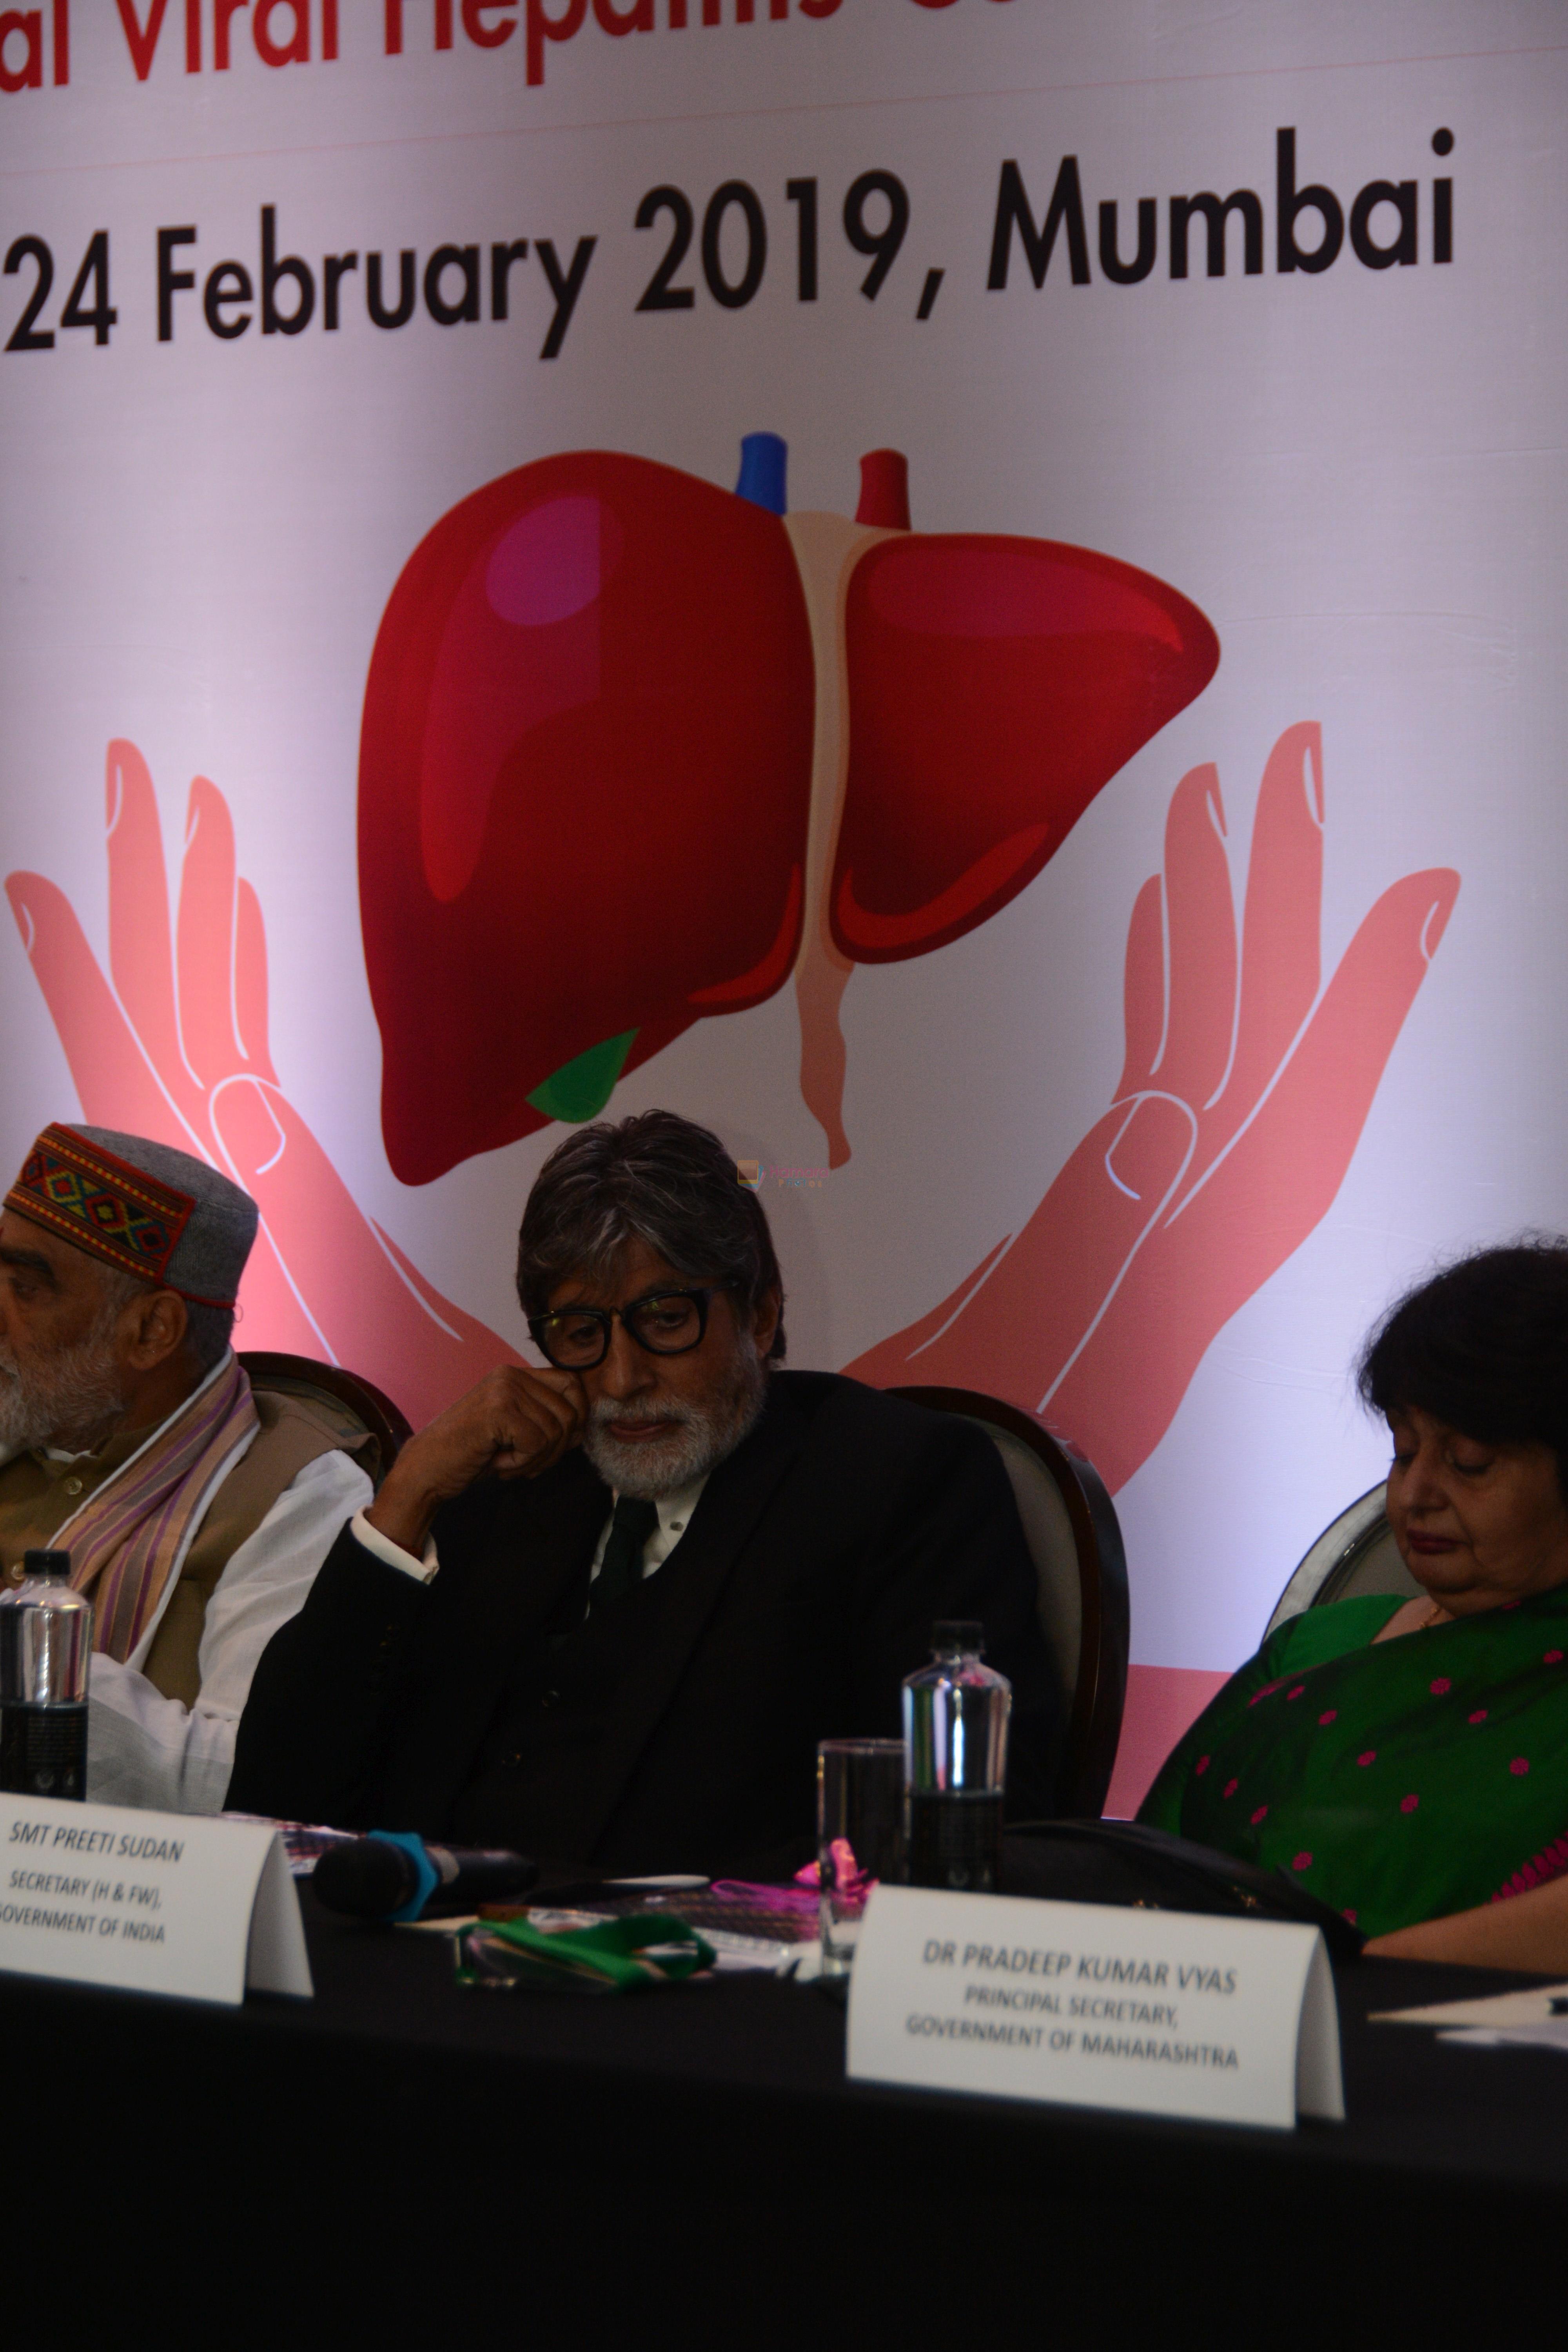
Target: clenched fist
x,y
516,1423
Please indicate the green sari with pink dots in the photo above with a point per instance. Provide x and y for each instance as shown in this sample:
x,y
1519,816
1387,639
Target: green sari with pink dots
x,y
1399,1781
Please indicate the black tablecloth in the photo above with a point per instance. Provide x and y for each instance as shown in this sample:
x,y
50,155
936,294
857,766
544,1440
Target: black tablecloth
x,y
402,2152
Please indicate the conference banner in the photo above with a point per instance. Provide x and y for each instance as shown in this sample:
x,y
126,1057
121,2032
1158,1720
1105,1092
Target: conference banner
x,y
969,592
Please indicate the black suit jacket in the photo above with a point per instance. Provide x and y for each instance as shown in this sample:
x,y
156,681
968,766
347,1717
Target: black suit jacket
x,y
801,1594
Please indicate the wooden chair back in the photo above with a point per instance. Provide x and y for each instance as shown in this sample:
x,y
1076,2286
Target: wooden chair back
x,y
1070,1525
342,1398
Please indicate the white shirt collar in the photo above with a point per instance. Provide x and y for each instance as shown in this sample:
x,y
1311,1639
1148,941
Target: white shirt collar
x,y
675,1508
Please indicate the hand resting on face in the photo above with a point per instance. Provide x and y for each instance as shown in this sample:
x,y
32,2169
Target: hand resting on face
x,y
515,1424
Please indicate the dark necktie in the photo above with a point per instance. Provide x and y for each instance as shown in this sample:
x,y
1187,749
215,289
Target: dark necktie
x,y
631,1525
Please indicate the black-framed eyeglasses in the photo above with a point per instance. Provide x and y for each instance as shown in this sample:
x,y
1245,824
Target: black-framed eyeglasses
x,y
666,1323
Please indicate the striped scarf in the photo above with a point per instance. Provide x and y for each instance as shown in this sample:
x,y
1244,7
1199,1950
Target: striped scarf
x,y
126,1539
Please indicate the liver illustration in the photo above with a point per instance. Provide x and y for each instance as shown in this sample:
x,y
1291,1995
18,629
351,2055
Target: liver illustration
x,y
637,749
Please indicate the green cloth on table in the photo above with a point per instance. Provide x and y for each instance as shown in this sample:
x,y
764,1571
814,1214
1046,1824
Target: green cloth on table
x,y
1398,1781
615,1956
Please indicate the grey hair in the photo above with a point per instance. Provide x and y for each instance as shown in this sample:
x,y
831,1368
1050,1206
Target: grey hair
x,y
209,1330
658,1178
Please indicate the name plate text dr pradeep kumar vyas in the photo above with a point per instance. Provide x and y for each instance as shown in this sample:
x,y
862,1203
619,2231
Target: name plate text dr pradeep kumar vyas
x,y
1166,2011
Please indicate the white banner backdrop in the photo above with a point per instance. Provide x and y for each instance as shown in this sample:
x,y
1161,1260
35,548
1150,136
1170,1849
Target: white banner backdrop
x,y
932,773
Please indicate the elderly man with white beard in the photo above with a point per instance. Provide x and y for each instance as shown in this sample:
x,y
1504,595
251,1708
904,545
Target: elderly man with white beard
x,y
194,1511
604,1610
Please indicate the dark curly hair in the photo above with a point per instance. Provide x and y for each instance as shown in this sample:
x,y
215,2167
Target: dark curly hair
x,y
1483,1346
661,1178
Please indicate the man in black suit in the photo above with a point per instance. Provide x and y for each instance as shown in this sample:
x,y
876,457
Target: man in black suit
x,y
603,1612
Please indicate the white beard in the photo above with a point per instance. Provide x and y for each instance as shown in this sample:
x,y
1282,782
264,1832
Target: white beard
x,y
703,1438
70,1399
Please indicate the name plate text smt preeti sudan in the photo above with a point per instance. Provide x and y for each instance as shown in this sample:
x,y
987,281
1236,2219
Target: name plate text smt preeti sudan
x,y
173,1903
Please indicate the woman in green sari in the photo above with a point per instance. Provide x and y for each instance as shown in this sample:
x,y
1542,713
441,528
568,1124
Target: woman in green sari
x,y
1408,1761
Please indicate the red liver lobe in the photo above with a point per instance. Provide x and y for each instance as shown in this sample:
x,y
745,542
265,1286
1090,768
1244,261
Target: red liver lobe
x,y
583,784
996,684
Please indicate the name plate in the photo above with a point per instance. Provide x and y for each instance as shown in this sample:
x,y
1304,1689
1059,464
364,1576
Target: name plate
x,y
1162,2011
173,1903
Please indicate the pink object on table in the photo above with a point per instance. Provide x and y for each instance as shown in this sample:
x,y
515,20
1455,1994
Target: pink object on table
x,y
802,1898
851,1879
799,1902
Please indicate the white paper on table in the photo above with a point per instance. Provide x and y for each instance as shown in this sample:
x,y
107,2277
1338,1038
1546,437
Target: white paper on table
x,y
1546,2034
1527,2008
734,1953
170,1903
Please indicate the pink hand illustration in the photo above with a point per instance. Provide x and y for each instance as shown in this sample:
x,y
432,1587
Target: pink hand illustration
x,y
174,1046
1240,1103
1242,1099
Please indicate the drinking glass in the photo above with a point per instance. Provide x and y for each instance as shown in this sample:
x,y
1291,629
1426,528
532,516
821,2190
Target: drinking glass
x,y
860,1835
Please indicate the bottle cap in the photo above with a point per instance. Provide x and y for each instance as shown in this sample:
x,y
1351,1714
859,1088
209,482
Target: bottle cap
x,y
958,1637
47,1563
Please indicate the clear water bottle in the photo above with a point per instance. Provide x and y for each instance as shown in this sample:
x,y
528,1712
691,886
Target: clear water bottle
x,y
45,1646
955,1762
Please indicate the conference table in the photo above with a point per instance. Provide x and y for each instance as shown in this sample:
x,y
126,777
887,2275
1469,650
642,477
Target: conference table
x,y
402,2154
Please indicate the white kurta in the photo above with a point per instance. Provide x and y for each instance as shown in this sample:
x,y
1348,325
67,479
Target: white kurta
x,y
145,1750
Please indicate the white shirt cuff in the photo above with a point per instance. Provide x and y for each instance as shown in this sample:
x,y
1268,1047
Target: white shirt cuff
x,y
394,1554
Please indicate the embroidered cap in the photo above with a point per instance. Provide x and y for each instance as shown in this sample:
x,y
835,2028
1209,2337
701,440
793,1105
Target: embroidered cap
x,y
157,1214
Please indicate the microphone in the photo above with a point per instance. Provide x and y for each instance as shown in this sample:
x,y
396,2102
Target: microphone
x,y
392,1876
